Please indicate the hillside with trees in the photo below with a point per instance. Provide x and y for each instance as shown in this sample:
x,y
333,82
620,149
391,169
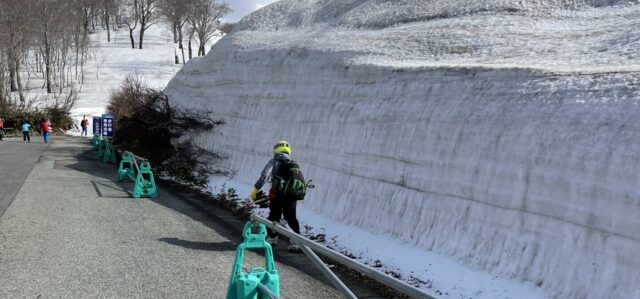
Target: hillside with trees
x,y
53,51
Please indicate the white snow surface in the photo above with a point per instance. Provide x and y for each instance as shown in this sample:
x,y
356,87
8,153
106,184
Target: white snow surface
x,y
112,62
499,134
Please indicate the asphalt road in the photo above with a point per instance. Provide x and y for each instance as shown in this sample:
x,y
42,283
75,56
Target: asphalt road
x,y
16,161
72,232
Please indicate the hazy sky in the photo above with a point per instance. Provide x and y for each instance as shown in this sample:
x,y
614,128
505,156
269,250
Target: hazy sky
x,y
242,8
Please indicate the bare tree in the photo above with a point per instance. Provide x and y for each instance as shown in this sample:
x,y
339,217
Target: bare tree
x,y
109,7
4,16
191,31
174,13
205,18
16,22
39,37
47,14
129,17
147,16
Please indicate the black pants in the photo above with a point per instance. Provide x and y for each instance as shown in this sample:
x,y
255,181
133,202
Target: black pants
x,y
278,207
25,136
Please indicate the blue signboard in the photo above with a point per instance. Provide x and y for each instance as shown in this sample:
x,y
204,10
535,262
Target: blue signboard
x,y
96,125
108,125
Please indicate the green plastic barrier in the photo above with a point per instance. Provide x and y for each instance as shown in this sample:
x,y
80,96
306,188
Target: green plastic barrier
x,y
245,285
109,154
144,179
95,141
102,146
126,169
145,182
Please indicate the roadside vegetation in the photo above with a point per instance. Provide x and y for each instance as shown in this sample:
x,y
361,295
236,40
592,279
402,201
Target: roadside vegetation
x,y
149,126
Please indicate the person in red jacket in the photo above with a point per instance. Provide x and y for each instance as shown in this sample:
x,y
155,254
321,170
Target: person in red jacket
x,y
1,129
45,130
84,124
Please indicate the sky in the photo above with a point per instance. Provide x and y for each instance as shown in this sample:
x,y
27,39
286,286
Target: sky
x,y
241,8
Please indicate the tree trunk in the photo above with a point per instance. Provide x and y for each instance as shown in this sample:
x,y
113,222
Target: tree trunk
x,y
12,75
190,50
17,68
180,46
47,61
201,50
12,67
2,102
175,34
106,19
133,43
141,37
77,40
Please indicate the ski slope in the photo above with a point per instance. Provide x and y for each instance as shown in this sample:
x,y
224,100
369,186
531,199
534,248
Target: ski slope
x,y
497,138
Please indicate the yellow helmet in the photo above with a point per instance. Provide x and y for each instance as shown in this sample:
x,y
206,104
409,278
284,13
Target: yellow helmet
x,y
282,147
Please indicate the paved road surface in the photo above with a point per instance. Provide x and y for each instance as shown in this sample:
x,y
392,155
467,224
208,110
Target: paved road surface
x,y
71,232
16,161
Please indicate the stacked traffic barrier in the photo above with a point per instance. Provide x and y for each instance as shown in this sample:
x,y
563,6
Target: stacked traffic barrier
x,y
258,282
95,141
145,185
128,168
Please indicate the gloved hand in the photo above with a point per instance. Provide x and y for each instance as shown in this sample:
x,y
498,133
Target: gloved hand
x,y
254,194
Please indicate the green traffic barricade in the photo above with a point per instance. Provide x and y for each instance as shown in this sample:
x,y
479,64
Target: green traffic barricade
x,y
109,153
258,283
95,141
106,151
140,174
102,146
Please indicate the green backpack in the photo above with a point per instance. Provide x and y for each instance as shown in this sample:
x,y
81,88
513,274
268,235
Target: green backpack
x,y
288,181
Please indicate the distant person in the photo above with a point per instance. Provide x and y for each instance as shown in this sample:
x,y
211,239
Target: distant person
x,y
44,124
26,126
287,187
84,124
2,136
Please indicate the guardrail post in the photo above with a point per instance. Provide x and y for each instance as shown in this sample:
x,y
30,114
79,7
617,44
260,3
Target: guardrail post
x,y
125,169
145,182
245,285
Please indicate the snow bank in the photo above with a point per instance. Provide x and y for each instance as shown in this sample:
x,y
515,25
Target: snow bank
x,y
504,138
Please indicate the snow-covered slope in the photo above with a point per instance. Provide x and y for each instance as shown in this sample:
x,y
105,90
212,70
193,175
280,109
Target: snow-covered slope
x,y
113,62
503,134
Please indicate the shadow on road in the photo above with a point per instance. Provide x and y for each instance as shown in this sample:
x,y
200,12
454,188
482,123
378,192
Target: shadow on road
x,y
85,160
220,246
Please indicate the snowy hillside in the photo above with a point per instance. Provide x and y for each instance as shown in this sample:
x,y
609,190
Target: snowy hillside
x,y
501,134
112,62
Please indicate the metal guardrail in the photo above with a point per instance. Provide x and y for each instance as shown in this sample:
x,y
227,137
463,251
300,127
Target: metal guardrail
x,y
309,246
265,290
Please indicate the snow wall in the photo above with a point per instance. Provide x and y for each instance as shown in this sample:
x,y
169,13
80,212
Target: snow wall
x,y
520,162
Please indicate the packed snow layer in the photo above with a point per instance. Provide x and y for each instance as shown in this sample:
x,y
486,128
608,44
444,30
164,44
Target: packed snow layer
x,y
504,138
